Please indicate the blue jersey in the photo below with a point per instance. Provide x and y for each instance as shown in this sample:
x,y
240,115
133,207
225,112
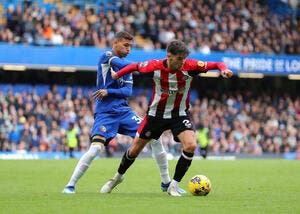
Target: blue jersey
x,y
112,113
118,90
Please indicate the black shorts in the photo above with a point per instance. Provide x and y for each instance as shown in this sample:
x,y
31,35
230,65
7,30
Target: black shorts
x,y
152,127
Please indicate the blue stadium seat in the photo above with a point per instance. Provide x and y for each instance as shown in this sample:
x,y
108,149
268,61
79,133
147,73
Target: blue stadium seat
x,y
41,89
5,88
19,88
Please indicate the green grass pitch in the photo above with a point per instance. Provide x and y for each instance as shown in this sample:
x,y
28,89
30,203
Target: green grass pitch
x,y
239,186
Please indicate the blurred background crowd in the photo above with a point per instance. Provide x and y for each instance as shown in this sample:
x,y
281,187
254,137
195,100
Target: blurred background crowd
x,y
265,26
242,122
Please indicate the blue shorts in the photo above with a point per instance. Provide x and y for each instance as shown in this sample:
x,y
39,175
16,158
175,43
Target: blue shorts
x,y
109,124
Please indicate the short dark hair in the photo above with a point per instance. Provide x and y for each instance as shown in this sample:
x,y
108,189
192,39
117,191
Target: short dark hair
x,y
123,35
177,47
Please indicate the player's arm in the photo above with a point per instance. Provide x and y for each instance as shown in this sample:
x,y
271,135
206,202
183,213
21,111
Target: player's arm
x,y
225,72
114,61
126,70
117,62
207,66
142,67
126,90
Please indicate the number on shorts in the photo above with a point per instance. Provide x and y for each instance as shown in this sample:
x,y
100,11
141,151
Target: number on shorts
x,y
137,119
187,123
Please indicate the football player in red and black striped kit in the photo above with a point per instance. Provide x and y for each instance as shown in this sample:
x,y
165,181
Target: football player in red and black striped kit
x,y
168,108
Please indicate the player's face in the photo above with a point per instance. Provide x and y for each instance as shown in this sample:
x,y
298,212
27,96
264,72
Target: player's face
x,y
175,62
122,47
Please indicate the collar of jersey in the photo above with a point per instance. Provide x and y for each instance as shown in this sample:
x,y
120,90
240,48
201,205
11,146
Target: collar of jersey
x,y
167,69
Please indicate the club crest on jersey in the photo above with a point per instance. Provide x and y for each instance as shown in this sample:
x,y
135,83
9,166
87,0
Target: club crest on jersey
x,y
143,64
201,64
102,128
185,77
108,53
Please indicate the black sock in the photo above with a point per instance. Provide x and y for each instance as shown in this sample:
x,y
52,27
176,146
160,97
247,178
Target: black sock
x,y
125,163
183,165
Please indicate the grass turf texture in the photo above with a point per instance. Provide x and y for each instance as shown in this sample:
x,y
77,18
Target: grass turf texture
x,y
240,186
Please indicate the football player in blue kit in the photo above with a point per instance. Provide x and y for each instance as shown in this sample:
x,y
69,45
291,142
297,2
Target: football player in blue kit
x,y
112,113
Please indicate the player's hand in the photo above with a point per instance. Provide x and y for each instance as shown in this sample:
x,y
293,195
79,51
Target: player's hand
x,y
226,73
99,94
114,74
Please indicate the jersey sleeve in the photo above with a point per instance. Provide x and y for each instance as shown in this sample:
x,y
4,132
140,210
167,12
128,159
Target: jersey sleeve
x,y
196,65
116,62
125,90
113,60
202,67
148,66
142,67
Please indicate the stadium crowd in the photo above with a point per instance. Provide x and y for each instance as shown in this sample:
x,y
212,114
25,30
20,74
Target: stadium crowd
x,y
239,123
205,25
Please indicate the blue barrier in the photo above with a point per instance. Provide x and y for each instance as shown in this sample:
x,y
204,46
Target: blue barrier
x,y
24,155
86,58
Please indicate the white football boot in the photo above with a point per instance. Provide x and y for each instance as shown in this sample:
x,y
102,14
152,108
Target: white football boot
x,y
173,189
69,190
112,183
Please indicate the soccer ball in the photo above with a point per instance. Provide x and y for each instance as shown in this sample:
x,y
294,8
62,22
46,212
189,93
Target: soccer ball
x,y
199,185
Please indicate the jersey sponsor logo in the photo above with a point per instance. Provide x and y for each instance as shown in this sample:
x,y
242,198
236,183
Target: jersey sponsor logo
x,y
102,128
172,91
201,64
122,81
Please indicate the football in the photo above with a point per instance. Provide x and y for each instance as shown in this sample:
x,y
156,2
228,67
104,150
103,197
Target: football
x,y
199,185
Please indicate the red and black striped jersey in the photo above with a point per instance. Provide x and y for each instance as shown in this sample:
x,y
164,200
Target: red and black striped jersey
x,y
171,89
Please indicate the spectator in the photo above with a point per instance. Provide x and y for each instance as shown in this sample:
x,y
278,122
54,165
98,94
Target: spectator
x,y
243,122
72,140
235,26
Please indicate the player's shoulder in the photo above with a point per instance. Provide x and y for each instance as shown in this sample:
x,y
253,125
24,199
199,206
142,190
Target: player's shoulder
x,y
108,54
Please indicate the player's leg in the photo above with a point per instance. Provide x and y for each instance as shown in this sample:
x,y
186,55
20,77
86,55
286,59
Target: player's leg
x,y
105,127
203,151
187,139
129,126
160,155
71,150
127,160
186,136
84,163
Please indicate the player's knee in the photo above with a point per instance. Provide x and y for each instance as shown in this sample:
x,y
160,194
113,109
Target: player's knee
x,y
190,147
133,153
98,143
95,149
137,146
135,150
